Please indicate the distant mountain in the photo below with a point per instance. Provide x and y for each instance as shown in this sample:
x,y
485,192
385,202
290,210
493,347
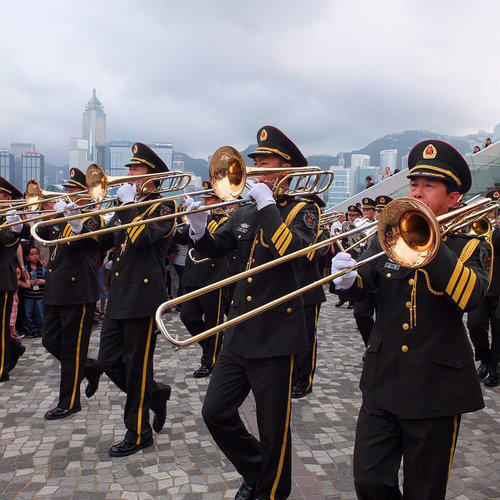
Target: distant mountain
x,y
196,165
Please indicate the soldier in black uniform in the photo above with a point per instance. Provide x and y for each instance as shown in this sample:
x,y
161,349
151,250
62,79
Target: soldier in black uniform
x,y
380,204
308,271
70,296
418,375
10,350
488,313
206,311
138,287
259,354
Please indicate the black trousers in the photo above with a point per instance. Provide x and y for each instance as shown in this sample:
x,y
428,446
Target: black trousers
x,y
66,335
426,446
363,314
126,356
305,362
203,313
5,340
265,464
478,322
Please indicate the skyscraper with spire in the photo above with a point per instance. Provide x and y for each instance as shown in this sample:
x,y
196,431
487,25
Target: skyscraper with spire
x,y
94,129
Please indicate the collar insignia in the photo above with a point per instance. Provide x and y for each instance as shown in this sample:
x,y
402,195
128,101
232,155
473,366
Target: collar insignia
x,y
430,152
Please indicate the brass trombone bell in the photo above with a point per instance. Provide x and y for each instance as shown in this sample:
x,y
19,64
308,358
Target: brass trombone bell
x,y
480,227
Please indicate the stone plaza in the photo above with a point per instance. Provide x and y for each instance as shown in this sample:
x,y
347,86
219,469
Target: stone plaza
x,y
69,458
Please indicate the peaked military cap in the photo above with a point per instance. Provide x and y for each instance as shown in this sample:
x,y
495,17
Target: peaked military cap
x,y
7,187
494,194
368,203
144,155
77,179
439,160
208,185
315,199
353,210
382,201
272,141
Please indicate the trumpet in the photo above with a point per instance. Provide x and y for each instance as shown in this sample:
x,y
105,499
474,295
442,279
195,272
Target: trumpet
x,y
408,231
228,175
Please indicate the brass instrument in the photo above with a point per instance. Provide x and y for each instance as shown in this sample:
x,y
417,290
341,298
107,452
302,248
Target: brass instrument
x,y
410,235
228,174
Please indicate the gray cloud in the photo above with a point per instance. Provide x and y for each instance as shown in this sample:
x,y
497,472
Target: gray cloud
x,y
333,75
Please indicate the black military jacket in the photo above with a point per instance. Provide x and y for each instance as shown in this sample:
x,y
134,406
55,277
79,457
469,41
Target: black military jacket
x,y
258,237
138,277
203,273
71,276
494,290
419,362
9,241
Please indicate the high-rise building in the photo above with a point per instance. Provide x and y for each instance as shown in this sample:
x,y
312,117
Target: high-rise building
x,y
94,129
358,160
359,175
78,154
18,173
165,151
6,164
388,158
340,188
178,163
32,167
404,162
341,160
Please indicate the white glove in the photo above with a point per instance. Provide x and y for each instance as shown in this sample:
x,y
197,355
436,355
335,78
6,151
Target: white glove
x,y
108,265
340,262
76,224
126,193
262,195
60,206
13,217
197,221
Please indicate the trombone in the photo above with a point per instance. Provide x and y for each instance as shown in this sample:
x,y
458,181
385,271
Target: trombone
x,y
228,174
408,231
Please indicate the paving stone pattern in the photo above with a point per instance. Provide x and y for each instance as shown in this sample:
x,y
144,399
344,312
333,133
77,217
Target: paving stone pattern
x,y
69,458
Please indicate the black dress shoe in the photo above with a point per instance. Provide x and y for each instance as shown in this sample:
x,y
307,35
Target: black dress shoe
x,y
125,448
93,377
15,355
482,371
298,392
350,306
57,413
245,492
491,381
161,410
202,371
340,303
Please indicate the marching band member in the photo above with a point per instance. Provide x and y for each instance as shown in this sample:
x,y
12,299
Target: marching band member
x,y
70,296
380,204
418,375
137,288
10,351
258,355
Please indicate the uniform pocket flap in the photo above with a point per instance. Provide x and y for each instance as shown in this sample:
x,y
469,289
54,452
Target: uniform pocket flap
x,y
374,344
453,358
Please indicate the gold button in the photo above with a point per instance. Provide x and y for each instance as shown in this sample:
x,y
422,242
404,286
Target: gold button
x,y
116,274
249,298
406,326
411,281
50,270
404,348
145,280
118,259
234,257
408,305
232,302
388,275
213,265
289,310
72,278
253,260
239,236
249,280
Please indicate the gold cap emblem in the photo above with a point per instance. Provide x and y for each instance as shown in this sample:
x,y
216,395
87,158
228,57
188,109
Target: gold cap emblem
x,y
263,135
134,149
72,173
430,152
496,194
382,199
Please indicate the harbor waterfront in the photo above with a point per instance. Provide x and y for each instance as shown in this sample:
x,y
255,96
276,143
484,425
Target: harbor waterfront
x,y
69,458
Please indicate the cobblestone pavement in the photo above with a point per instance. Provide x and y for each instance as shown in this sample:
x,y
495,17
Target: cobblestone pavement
x,y
69,458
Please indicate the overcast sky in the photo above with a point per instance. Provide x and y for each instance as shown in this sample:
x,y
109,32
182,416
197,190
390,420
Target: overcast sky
x,y
334,75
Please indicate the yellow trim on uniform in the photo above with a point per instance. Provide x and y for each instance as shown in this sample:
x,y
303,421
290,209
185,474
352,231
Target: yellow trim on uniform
x,y
78,184
461,284
437,169
468,249
6,190
490,273
77,360
359,282
278,232
12,244
138,232
313,364
2,357
143,383
310,255
285,434
214,357
294,211
286,243
453,443
454,277
141,160
272,150
283,236
468,290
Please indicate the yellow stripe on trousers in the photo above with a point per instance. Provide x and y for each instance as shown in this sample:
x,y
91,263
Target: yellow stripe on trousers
x,y
143,384
218,333
453,443
77,360
285,434
313,364
2,354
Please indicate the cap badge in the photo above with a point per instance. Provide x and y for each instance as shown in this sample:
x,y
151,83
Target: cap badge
x,y
382,199
135,149
496,194
72,173
430,152
263,135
